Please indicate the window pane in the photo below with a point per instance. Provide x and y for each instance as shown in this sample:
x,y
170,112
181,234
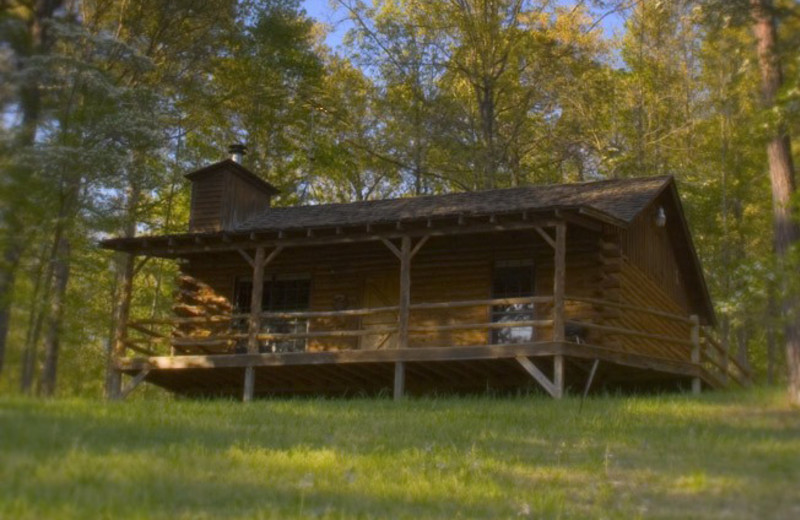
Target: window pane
x,y
512,281
281,294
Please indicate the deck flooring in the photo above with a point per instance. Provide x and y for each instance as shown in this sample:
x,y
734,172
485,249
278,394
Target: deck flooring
x,y
470,369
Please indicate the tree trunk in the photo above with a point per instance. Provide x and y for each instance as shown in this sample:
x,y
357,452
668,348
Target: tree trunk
x,y
55,317
30,107
122,300
41,290
782,179
8,271
772,336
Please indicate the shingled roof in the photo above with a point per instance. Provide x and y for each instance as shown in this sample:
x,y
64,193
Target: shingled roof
x,y
619,200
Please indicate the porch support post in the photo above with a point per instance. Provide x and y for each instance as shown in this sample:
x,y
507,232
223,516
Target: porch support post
x,y
122,310
695,336
559,280
558,376
399,379
405,292
254,321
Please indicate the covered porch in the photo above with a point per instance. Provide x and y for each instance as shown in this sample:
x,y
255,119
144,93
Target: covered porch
x,y
552,340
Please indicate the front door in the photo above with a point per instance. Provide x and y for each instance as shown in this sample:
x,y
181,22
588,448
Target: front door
x,y
380,291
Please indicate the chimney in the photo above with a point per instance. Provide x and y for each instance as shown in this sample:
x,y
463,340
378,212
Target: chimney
x,y
237,151
225,194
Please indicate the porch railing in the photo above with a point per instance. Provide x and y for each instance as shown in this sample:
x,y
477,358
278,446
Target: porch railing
x,y
595,322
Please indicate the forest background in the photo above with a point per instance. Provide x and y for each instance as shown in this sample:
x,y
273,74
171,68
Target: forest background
x,y
107,104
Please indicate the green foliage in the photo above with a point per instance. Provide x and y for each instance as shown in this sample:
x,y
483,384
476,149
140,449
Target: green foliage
x,y
715,456
104,117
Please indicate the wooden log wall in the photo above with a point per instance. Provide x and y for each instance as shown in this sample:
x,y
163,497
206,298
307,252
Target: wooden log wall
x,y
638,289
649,276
195,299
445,269
648,247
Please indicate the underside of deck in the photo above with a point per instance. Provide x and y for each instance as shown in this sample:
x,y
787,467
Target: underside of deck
x,y
498,368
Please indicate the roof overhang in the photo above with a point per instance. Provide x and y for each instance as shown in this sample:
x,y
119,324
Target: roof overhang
x,y
189,244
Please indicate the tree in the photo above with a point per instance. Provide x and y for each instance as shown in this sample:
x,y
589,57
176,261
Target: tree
x,y
30,38
782,180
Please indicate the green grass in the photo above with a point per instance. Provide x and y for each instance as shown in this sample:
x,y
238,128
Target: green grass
x,y
734,455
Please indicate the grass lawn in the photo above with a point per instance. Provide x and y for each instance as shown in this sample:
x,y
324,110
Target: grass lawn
x,y
722,455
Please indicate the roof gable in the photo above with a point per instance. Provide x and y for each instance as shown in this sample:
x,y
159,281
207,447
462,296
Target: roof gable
x,y
231,166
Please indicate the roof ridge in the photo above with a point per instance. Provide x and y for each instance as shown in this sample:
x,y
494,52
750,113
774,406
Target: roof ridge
x,y
628,180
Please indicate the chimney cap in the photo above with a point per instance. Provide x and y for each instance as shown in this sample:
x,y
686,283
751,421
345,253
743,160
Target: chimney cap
x,y
237,151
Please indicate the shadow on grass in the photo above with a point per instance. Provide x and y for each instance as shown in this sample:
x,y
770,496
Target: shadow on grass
x,y
479,457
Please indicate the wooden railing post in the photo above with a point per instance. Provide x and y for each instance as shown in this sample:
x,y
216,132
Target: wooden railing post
x,y
559,280
695,338
405,292
254,320
559,276
122,310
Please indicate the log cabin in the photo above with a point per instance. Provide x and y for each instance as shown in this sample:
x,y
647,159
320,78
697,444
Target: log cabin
x,y
553,287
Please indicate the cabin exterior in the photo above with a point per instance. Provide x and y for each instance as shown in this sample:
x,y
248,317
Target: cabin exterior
x,y
559,287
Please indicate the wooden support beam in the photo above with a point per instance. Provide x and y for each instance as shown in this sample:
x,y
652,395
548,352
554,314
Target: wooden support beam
x,y
249,383
547,238
422,354
272,256
136,381
558,376
256,296
260,261
538,375
247,258
392,247
559,276
579,220
695,337
254,322
158,246
419,245
399,380
405,293
591,378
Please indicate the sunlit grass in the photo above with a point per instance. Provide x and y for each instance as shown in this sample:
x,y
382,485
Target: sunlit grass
x,y
718,456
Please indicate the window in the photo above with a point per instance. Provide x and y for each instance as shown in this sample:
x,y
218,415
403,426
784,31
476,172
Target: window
x,y
512,279
282,293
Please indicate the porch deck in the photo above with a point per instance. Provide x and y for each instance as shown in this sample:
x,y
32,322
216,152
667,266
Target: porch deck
x,y
194,368
425,370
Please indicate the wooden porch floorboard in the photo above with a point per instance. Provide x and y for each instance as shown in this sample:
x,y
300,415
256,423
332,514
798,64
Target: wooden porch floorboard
x,y
368,372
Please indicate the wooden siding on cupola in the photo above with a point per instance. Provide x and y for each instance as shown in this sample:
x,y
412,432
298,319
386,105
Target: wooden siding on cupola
x,y
224,195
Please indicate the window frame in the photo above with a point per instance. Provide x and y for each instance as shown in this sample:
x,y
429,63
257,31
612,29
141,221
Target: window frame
x,y
522,312
269,304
